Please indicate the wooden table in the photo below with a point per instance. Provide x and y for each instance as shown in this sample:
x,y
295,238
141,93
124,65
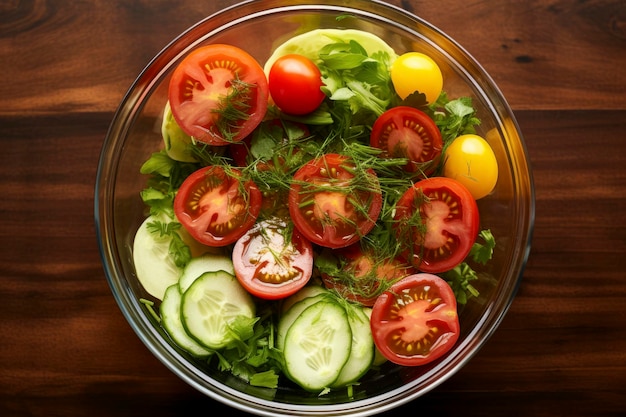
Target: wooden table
x,y
65,348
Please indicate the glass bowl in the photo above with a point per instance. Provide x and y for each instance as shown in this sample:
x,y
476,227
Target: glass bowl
x,y
258,27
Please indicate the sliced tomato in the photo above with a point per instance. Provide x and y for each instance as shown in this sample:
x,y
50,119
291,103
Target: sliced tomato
x,y
217,206
273,260
438,219
332,202
406,132
362,275
415,322
218,94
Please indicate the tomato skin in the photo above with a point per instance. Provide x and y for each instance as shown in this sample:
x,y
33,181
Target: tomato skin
x,y
257,267
322,201
406,132
215,207
200,83
294,84
470,160
415,322
414,71
364,275
448,213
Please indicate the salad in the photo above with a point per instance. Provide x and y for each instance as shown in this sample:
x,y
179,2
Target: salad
x,y
314,217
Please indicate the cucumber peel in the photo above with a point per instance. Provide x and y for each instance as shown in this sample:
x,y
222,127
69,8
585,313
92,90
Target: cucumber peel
x,y
362,349
171,321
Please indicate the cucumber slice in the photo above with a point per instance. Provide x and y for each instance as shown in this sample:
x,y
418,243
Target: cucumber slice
x,y
154,266
170,319
291,315
211,304
318,345
208,262
363,348
309,44
308,291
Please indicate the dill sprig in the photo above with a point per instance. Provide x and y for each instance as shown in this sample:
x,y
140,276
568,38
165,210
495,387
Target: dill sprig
x,y
233,108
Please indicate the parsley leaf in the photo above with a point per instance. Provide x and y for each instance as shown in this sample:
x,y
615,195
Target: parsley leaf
x,y
459,279
252,356
483,252
350,75
460,276
454,117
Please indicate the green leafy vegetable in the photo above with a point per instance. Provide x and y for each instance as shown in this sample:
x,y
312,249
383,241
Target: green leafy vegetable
x,y
459,279
166,176
460,276
252,356
454,117
350,75
483,252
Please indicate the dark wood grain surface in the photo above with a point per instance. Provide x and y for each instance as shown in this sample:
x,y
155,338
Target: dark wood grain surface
x,y
65,348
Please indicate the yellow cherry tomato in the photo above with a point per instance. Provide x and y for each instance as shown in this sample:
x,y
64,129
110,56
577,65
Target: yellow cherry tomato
x,y
470,160
414,71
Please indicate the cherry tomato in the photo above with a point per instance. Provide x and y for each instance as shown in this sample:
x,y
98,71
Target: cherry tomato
x,y
362,275
332,202
218,94
438,219
217,207
406,132
415,322
414,71
272,260
294,83
470,160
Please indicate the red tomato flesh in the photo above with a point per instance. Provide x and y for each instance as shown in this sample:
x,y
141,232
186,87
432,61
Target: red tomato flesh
x,y
331,204
406,132
273,261
207,82
415,322
438,218
217,207
364,275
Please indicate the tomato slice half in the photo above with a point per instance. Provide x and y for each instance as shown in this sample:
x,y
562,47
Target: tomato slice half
x,y
437,218
218,94
272,259
361,275
415,322
332,202
217,207
406,132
